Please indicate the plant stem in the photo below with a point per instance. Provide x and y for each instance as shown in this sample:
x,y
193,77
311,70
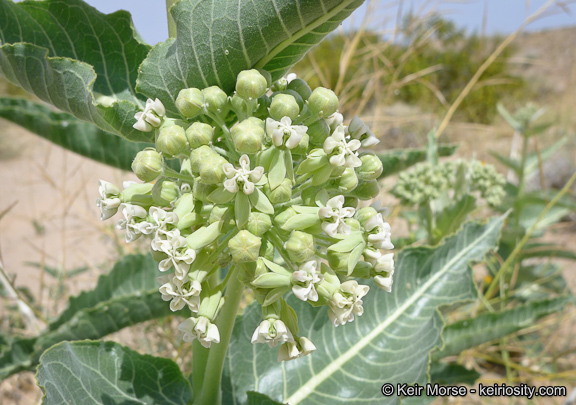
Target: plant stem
x,y
199,361
171,22
211,391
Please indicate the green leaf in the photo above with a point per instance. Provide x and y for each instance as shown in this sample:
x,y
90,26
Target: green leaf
x,y
72,56
261,202
277,171
539,281
69,132
450,219
533,159
355,257
452,374
276,268
125,297
108,373
469,333
204,236
220,196
531,250
255,398
301,221
217,39
390,342
396,160
349,243
513,122
510,163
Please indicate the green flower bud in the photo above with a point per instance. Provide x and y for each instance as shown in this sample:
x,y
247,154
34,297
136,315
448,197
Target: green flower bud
x,y
164,192
280,84
346,182
138,194
323,102
248,135
251,84
318,131
189,220
364,214
172,140
296,96
202,191
148,164
300,87
239,105
246,271
211,171
184,205
185,167
267,76
284,105
244,247
210,304
190,102
271,280
300,246
371,167
199,134
280,194
280,219
216,101
258,223
366,190
263,105
353,224
302,147
199,155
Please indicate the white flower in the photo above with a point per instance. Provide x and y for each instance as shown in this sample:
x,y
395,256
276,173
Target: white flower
x,y
290,77
133,214
180,256
159,220
108,201
384,283
382,263
304,280
334,120
180,293
379,232
151,117
359,130
200,328
293,350
272,331
333,216
342,153
243,175
347,302
280,130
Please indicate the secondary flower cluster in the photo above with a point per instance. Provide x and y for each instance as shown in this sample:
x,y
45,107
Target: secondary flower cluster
x,y
268,187
426,182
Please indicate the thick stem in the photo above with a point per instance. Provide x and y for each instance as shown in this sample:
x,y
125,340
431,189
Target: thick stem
x,y
211,391
199,361
171,22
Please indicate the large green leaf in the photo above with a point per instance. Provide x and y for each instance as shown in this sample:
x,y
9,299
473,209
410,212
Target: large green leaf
x,y
396,160
107,373
71,133
216,39
127,296
389,343
76,58
468,333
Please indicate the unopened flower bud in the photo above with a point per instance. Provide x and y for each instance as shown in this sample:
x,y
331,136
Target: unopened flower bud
x,y
184,205
284,105
199,134
263,105
353,224
172,140
244,247
198,156
318,132
364,214
366,190
338,261
258,223
323,102
164,192
371,167
345,182
190,102
211,171
239,105
148,164
251,84
280,194
280,84
216,101
300,87
300,246
248,135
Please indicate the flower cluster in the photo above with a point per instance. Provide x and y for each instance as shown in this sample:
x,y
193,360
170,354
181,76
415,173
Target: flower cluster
x,y
269,188
426,182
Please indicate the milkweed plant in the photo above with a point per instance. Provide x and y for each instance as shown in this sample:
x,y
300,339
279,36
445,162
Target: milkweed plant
x,y
269,187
